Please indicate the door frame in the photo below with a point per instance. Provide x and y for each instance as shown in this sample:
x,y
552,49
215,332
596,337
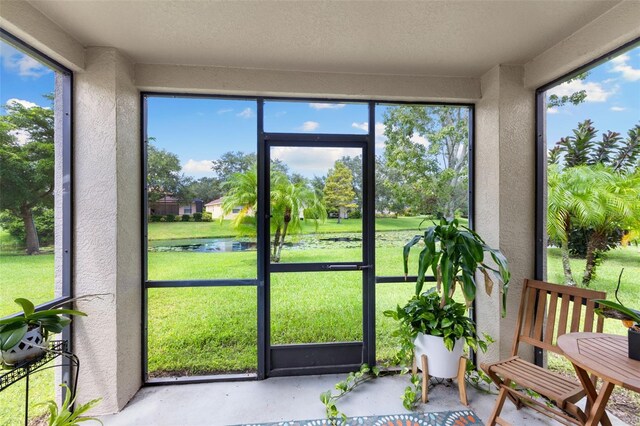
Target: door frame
x,y
278,360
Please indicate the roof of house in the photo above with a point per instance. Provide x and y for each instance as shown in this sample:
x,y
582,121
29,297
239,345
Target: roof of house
x,y
217,201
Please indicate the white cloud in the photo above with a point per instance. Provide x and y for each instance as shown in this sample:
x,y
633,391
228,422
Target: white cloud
x,y
595,92
552,110
26,104
226,110
362,126
311,161
621,65
309,126
422,140
23,65
197,166
379,128
326,106
246,113
617,108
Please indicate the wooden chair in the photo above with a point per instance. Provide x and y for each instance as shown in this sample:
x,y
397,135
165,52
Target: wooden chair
x,y
568,306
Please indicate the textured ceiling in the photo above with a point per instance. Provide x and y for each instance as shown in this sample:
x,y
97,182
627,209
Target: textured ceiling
x,y
458,38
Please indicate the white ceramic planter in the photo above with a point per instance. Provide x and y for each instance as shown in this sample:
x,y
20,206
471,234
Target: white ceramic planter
x,y
31,346
441,362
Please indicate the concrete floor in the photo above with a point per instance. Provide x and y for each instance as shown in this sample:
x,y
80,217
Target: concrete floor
x,y
295,398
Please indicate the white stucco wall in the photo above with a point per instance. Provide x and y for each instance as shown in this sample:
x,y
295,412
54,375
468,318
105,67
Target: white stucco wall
x,y
505,193
24,21
220,80
107,229
609,31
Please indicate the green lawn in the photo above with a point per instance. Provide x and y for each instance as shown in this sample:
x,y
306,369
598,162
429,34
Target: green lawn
x,y
25,276
217,229
212,330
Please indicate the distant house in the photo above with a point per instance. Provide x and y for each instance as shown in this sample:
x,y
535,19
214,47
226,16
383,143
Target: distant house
x,y
215,208
171,205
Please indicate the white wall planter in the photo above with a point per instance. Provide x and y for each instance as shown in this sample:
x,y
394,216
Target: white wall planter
x,y
31,346
441,362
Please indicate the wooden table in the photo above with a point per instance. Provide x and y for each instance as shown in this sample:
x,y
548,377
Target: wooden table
x,y
605,356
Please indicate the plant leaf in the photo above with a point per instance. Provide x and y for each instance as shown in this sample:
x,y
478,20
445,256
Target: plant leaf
x,y
27,307
12,334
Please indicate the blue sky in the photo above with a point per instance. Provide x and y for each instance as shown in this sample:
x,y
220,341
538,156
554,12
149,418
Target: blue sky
x,y
200,130
612,103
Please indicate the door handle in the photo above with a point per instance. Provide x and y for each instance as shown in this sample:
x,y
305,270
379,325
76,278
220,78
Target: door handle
x,y
334,267
349,267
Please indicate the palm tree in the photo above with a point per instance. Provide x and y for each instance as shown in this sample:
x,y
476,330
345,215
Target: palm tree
x,y
290,202
243,192
590,197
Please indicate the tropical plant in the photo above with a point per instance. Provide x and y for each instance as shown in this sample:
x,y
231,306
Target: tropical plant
x,y
596,199
68,414
611,309
290,202
424,314
13,330
454,253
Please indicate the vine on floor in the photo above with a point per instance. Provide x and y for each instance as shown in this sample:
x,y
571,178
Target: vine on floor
x,y
353,380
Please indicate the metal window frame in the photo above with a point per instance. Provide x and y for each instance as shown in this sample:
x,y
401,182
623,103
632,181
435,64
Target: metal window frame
x,y
370,280
541,159
67,184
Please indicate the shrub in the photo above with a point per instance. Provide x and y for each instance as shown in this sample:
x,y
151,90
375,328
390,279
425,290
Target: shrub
x,y
155,218
163,219
170,218
207,217
355,214
186,217
197,217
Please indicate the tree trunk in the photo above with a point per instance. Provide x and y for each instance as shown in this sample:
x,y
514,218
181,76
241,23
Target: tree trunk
x,y
566,265
276,239
287,219
33,245
594,242
284,234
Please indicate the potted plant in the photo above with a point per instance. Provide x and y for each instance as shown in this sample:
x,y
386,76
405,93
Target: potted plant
x,y
68,414
24,337
629,317
435,322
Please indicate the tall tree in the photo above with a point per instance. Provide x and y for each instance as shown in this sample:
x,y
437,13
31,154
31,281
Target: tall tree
x,y
427,149
338,189
206,189
355,165
233,162
163,174
27,164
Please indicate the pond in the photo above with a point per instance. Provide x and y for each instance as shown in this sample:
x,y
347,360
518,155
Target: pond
x,y
295,242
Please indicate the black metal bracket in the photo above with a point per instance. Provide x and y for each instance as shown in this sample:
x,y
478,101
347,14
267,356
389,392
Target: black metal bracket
x,y
56,348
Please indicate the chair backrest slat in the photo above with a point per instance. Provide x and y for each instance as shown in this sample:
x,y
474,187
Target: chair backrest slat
x,y
551,317
588,316
575,315
564,313
539,319
530,314
539,313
